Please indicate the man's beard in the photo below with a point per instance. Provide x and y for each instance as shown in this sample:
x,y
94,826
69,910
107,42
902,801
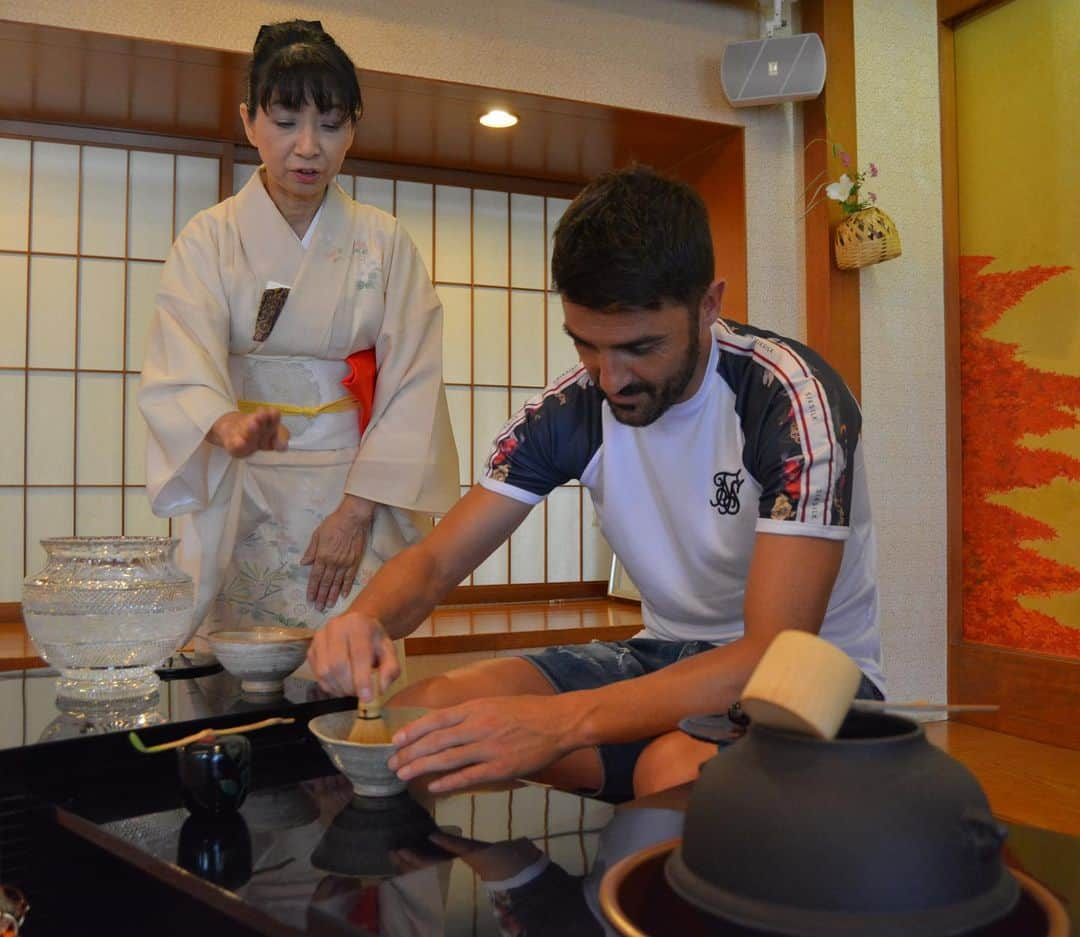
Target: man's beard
x,y
658,398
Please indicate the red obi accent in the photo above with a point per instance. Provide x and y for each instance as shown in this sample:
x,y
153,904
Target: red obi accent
x,y
361,384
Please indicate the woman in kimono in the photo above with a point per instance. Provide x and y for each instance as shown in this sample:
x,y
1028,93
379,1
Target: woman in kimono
x,y
288,490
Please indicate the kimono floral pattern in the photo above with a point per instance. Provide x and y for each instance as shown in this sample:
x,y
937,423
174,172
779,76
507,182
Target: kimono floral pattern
x,y
367,269
260,589
265,584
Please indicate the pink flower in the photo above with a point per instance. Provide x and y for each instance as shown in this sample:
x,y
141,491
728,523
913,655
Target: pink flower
x,y
873,196
844,158
873,170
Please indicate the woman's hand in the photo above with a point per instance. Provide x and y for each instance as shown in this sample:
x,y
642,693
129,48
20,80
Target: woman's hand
x,y
335,551
241,434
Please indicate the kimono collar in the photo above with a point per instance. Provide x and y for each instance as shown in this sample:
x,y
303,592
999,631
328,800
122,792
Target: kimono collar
x,y
272,247
316,276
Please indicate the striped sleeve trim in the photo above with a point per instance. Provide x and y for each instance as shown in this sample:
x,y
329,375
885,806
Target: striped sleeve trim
x,y
812,411
766,525
509,491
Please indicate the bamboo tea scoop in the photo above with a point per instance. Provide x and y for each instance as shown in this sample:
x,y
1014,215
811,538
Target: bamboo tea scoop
x,y
805,684
370,727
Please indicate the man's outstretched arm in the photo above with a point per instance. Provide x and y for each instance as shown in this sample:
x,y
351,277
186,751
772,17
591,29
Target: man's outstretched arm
x,y
404,592
789,584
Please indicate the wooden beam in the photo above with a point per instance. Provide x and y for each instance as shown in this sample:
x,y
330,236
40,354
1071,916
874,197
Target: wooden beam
x,y
107,137
527,592
225,171
950,205
832,295
66,76
950,11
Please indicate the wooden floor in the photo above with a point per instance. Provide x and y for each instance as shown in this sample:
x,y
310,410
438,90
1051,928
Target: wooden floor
x,y
1027,782
17,651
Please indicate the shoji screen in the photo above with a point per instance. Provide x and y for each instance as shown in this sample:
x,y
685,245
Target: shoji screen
x,y
83,233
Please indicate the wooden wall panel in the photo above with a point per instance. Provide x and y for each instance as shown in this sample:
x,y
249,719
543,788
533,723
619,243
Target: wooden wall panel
x,y
717,173
832,294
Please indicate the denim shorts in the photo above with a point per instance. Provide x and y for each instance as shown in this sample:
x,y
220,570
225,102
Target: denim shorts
x,y
572,667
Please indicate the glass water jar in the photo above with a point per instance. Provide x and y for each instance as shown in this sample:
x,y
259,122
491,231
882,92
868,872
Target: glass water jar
x,y
105,611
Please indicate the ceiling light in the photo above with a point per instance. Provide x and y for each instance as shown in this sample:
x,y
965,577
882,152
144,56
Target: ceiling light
x,y
497,118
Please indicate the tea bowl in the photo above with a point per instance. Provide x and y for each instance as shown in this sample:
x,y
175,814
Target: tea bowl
x,y
280,808
363,837
261,657
364,765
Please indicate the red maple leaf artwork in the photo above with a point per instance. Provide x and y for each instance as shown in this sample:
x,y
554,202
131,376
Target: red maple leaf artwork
x,y
1004,400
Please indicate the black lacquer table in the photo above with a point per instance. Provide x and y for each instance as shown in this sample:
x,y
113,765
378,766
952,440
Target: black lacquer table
x,y
98,837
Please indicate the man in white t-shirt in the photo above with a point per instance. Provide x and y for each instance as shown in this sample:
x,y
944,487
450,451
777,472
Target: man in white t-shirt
x,y
726,470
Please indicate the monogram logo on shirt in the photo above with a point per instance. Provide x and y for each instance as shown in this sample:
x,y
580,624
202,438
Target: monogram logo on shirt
x,y
726,499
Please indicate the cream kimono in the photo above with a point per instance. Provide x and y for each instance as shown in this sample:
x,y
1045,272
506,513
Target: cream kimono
x,y
245,523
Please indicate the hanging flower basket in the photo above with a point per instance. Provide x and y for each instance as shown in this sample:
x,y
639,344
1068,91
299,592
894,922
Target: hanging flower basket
x,y
866,237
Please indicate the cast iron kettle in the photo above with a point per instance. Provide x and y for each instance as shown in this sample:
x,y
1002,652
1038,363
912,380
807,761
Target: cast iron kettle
x,y
876,832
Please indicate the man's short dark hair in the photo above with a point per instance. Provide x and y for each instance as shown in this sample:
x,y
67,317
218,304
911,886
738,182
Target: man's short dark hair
x,y
633,239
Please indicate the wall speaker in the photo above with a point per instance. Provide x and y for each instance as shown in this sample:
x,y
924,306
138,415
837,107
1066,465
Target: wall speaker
x,y
768,71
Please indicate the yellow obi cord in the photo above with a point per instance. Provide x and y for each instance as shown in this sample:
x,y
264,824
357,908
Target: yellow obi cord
x,y
341,405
